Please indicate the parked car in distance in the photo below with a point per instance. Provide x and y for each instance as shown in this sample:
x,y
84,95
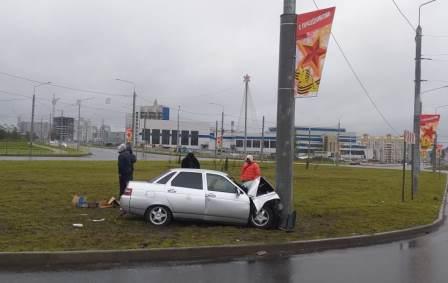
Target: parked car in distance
x,y
197,194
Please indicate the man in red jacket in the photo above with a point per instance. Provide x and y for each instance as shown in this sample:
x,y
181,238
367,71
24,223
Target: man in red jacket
x,y
250,170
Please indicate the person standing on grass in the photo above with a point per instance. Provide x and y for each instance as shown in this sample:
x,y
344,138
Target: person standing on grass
x,y
133,159
190,161
124,167
250,170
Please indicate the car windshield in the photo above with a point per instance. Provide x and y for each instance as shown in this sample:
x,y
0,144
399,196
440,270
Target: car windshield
x,y
237,183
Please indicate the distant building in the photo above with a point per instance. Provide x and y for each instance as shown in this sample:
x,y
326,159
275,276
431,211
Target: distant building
x,y
115,138
64,128
102,134
87,131
385,149
327,142
41,129
145,113
154,112
164,133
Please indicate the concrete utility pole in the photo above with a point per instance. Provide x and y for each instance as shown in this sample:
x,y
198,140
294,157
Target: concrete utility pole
x,y
222,123
134,95
216,138
337,143
178,132
434,155
32,116
222,129
417,103
285,114
144,138
53,110
41,130
79,124
246,79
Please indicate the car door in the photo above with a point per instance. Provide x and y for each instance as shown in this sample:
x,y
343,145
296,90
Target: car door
x,y
186,195
223,203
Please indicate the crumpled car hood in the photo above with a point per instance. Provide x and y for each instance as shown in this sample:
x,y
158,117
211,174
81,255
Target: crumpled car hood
x,y
259,201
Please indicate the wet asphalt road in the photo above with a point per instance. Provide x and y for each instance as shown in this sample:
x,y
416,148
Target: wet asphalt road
x,y
420,260
97,154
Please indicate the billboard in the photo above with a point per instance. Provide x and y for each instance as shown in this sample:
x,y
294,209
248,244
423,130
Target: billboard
x,y
428,128
312,36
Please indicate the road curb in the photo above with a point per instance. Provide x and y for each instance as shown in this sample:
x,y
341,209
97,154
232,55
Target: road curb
x,y
72,258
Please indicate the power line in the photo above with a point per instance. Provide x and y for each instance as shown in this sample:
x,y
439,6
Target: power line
x,y
63,86
15,94
402,14
436,36
434,55
366,92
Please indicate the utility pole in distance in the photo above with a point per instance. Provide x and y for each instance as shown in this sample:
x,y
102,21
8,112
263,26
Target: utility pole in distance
x,y
134,95
216,139
262,139
337,143
79,124
178,134
246,89
285,114
32,116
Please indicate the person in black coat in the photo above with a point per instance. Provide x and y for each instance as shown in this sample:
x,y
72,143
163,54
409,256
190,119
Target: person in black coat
x,y
124,167
133,159
190,161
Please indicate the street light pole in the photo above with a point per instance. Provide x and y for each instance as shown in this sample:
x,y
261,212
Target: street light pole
x,y
285,114
79,124
178,133
417,103
32,116
222,123
134,140
246,79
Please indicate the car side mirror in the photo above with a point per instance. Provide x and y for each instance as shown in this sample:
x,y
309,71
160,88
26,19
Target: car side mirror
x,y
238,193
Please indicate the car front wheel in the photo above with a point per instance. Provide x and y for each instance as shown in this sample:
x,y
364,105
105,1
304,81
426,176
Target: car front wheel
x,y
158,215
263,219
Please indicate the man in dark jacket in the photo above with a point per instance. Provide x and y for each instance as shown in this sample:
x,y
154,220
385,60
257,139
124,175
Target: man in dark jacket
x,y
124,167
190,161
133,159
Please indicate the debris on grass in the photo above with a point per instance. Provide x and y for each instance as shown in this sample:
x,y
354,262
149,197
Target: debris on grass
x,y
81,202
78,225
261,253
98,220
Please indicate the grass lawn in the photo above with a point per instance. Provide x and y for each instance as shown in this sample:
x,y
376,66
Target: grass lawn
x,y
22,148
36,212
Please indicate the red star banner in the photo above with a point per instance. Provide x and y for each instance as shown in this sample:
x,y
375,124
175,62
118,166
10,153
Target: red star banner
x,y
128,134
312,36
428,128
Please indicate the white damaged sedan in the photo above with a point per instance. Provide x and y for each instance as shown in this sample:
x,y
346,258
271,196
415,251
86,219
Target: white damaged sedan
x,y
197,194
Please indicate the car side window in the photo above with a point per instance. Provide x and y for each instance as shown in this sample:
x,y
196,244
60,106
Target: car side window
x,y
166,178
217,183
190,180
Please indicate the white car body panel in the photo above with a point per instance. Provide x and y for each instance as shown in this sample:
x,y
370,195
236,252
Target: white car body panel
x,y
194,203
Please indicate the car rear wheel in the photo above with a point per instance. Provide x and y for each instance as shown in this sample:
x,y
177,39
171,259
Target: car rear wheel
x,y
263,219
158,215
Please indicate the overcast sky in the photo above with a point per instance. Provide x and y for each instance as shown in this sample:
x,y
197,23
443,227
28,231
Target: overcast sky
x,y
191,53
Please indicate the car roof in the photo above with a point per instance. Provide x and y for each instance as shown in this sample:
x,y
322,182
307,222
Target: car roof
x,y
198,171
